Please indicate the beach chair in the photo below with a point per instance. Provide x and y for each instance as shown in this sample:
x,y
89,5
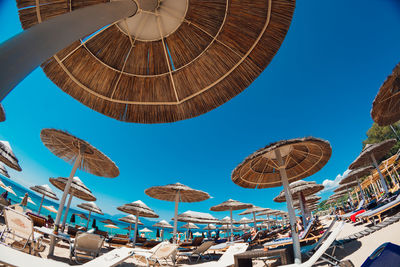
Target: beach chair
x,y
163,253
195,242
118,241
197,253
348,215
21,229
227,259
38,220
85,246
380,210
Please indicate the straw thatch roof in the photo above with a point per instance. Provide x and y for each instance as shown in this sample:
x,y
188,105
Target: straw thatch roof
x,y
2,113
244,220
226,220
379,150
3,171
344,187
210,227
356,174
82,215
243,227
386,106
269,212
231,204
169,192
253,209
138,208
309,200
44,190
78,188
8,157
163,224
302,156
190,226
68,147
150,73
112,226
50,208
145,230
196,217
108,221
130,219
306,188
90,206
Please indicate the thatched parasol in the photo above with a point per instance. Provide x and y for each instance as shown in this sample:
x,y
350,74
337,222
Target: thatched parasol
x,y
280,163
177,193
210,227
139,209
196,217
91,207
3,171
77,189
130,219
190,226
300,190
253,210
169,62
50,208
163,224
8,157
83,156
230,205
356,175
7,188
44,190
2,113
386,106
244,227
308,200
108,221
370,154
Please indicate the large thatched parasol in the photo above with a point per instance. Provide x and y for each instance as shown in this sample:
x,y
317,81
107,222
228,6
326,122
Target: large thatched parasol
x,y
83,156
3,171
386,105
44,190
177,193
230,205
280,163
139,209
196,217
77,189
130,219
91,207
108,221
173,60
2,113
300,190
371,154
163,224
7,156
356,175
253,210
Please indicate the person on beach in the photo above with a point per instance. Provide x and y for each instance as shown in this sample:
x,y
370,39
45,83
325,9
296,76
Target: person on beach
x,y
50,221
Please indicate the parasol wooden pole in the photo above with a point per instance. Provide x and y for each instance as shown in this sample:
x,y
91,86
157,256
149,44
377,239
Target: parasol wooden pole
x,y
66,213
41,203
302,208
380,174
24,52
62,202
255,221
88,220
289,204
361,192
231,237
136,225
176,217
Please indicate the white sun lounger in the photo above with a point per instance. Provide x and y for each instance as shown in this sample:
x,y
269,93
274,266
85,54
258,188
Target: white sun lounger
x,y
377,212
14,257
348,215
227,259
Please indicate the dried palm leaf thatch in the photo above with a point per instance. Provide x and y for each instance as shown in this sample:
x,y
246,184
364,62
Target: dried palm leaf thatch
x,y
169,192
302,158
90,206
68,147
231,204
139,70
3,171
77,189
108,221
386,106
196,217
354,175
345,187
309,200
306,188
190,226
163,224
378,150
226,220
44,190
130,219
138,208
253,209
2,113
8,157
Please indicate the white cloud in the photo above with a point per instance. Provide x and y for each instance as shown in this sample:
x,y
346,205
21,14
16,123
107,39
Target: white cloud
x,y
332,184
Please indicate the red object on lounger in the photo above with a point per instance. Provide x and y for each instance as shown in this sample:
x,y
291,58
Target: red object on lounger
x,y
353,216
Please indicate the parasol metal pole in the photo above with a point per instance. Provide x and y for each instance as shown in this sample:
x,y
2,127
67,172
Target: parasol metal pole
x,y
302,208
62,202
50,36
88,220
41,203
176,217
136,225
394,131
130,227
231,238
162,233
384,185
292,214
255,221
361,192
66,213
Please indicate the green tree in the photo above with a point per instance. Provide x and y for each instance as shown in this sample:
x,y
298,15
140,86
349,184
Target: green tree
x,y
377,134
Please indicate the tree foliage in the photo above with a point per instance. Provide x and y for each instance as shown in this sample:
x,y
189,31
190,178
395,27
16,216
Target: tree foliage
x,y
377,134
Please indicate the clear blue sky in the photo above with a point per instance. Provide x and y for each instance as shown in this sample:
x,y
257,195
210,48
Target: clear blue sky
x,y
321,83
